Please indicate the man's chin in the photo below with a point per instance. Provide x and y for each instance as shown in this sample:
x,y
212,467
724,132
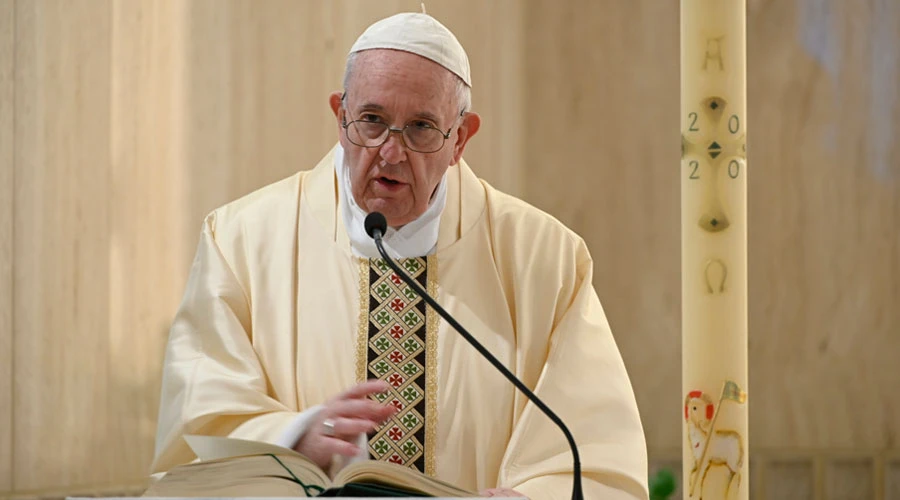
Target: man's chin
x,y
387,209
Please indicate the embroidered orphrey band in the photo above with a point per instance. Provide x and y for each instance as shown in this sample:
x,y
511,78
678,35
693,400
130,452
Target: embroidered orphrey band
x,y
397,344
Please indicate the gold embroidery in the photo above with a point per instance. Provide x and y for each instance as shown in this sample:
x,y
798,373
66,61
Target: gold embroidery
x,y
397,352
431,371
363,328
431,331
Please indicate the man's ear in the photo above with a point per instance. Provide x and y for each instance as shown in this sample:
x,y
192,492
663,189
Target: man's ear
x,y
334,100
471,122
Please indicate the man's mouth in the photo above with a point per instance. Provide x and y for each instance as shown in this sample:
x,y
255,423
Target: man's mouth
x,y
388,184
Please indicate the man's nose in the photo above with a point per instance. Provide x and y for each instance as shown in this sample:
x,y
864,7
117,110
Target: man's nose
x,y
393,150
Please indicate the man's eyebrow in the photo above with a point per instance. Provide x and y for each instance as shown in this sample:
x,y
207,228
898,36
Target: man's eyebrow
x,y
371,106
428,116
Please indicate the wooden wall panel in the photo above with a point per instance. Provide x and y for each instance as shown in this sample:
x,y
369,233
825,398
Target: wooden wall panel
x,y
824,219
147,269
62,377
7,193
892,480
850,480
789,480
257,106
602,155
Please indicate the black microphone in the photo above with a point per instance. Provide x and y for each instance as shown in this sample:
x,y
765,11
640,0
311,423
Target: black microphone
x,y
376,225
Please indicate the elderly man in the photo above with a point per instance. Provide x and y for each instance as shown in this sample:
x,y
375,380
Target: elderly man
x,y
292,331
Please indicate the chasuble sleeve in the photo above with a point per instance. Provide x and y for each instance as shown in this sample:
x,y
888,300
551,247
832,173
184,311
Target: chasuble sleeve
x,y
213,382
584,380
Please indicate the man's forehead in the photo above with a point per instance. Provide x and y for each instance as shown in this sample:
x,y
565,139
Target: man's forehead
x,y
388,80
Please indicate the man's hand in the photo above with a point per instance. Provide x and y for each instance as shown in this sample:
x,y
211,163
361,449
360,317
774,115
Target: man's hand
x,y
350,414
502,493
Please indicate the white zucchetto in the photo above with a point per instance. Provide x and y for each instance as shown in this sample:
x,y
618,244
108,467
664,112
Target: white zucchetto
x,y
419,34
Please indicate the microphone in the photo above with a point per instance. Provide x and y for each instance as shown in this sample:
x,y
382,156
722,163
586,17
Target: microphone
x,y
376,225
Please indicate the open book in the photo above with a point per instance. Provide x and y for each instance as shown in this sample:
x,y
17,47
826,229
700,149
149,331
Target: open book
x,y
229,467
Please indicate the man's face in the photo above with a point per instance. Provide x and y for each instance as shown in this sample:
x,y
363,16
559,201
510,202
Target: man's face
x,y
398,88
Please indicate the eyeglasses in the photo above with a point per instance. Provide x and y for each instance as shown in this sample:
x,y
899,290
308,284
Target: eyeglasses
x,y
418,135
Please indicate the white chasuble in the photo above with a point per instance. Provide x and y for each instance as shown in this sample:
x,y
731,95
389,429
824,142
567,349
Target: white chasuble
x,y
279,316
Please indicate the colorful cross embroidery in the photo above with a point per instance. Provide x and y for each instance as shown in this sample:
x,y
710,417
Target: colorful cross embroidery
x,y
396,353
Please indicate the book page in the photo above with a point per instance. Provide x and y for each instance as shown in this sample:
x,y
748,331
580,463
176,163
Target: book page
x,y
213,449
397,475
216,447
230,477
210,448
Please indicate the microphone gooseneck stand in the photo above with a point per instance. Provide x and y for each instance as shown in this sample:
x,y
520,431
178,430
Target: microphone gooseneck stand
x,y
376,225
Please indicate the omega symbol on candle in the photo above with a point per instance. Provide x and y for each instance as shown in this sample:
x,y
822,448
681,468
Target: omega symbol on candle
x,y
715,274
